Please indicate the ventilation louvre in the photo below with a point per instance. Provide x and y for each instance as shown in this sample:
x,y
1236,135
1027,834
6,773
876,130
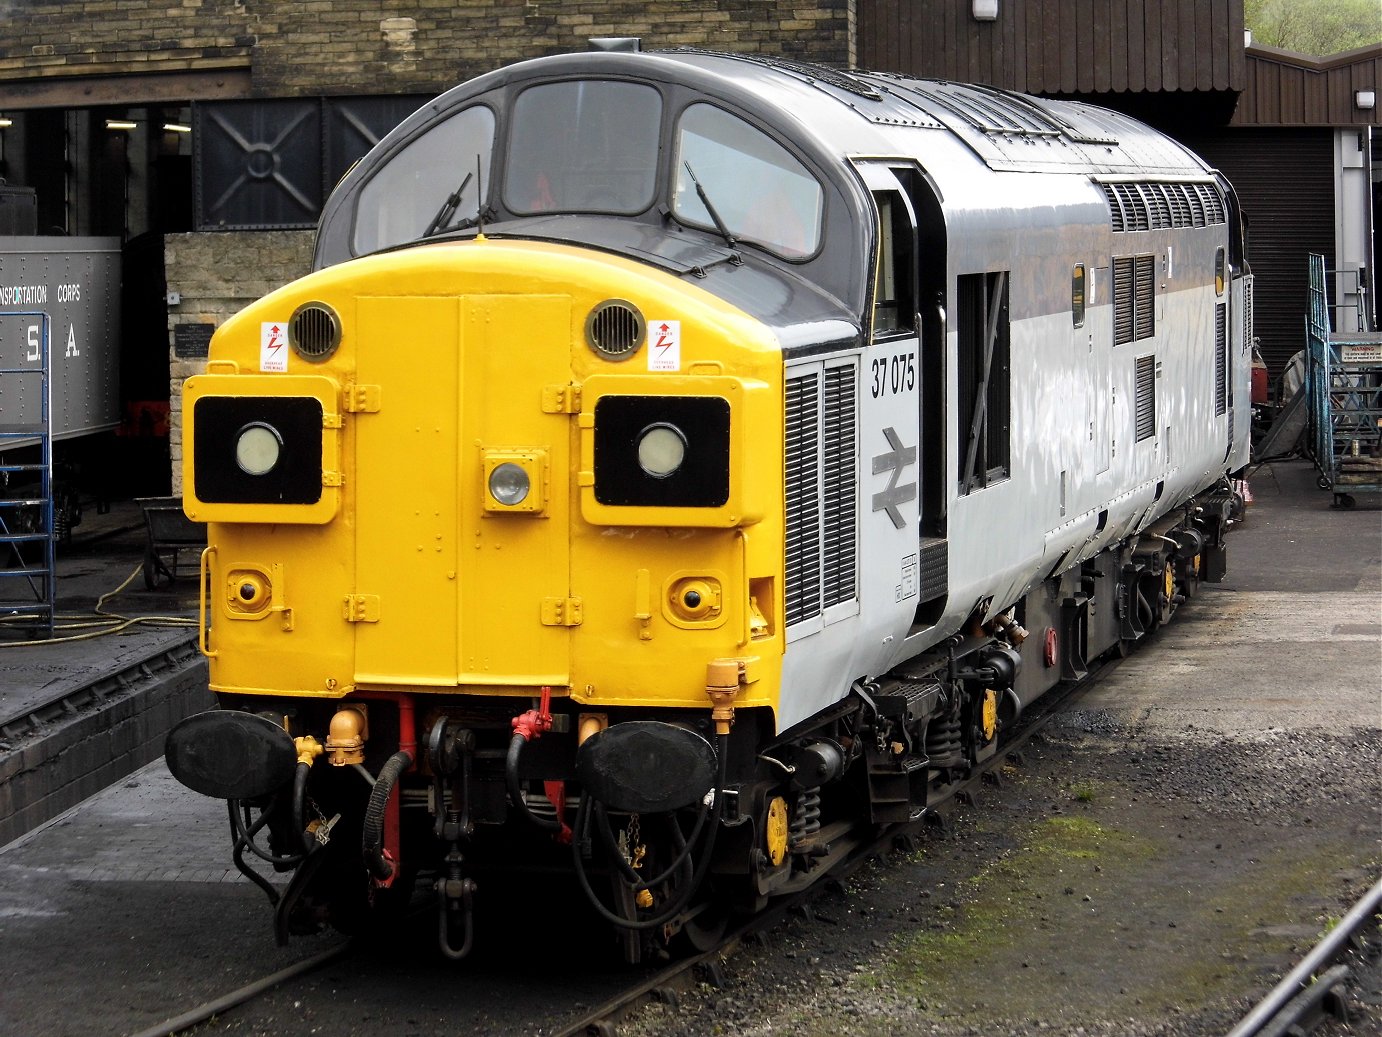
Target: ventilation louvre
x,y
615,329
314,331
1220,358
803,591
1145,394
1162,206
822,490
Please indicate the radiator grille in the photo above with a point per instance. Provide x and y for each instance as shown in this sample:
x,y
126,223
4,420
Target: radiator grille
x,y
822,490
1220,358
839,484
803,591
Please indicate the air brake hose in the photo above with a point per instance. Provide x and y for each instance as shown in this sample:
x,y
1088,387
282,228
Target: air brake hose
x,y
380,867
583,816
516,744
300,805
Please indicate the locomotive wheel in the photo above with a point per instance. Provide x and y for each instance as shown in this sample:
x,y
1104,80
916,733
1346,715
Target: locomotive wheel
x,y
704,929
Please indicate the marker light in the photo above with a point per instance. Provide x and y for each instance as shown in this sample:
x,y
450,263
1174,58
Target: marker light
x,y
508,484
257,448
661,450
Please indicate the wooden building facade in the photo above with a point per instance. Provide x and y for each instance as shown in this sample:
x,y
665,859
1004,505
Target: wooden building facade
x,y
1287,130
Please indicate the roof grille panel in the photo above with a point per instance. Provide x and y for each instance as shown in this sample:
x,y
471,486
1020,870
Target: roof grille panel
x,y
1156,205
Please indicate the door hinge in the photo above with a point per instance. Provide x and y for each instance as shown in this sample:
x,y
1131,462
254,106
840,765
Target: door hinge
x,y
362,608
561,399
333,479
561,612
362,399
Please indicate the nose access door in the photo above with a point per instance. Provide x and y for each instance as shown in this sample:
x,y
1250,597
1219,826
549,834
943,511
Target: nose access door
x,y
461,491
405,491
517,613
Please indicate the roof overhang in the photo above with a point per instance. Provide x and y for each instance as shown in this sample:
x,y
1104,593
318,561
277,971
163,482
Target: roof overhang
x,y
129,88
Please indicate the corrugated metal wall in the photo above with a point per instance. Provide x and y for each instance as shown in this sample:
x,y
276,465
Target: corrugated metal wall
x,y
1285,183
1060,46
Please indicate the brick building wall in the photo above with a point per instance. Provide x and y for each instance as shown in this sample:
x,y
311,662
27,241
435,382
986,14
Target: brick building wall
x,y
388,46
215,275
354,47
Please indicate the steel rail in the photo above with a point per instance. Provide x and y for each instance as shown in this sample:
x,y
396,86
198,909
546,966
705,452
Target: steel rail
x,y
1287,993
185,1021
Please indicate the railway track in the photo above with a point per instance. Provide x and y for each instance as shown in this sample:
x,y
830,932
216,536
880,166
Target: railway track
x,y
1313,991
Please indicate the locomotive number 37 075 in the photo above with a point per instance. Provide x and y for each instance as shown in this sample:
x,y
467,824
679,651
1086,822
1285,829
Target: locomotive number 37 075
x,y
894,374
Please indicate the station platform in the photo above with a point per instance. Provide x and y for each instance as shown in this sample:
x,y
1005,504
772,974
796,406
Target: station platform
x,y
91,704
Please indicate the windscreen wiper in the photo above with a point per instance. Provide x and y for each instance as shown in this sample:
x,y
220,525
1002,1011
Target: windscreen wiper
x,y
710,208
448,209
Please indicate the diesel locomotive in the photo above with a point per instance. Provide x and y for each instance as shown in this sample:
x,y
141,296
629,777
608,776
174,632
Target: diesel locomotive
x,y
679,463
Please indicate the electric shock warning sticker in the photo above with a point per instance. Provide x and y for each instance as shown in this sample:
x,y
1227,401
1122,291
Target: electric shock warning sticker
x,y
273,347
664,345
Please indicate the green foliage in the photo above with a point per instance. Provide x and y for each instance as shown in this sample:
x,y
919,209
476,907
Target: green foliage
x,y
1315,27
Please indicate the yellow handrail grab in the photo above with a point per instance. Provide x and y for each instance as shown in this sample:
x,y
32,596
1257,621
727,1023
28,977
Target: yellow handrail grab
x,y
204,580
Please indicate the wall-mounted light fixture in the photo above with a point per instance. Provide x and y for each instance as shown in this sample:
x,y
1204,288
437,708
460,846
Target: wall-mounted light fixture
x,y
5,122
984,10
176,127
121,124
1365,99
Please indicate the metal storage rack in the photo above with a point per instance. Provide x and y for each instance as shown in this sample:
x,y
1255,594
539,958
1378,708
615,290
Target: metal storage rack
x,y
28,586
1344,390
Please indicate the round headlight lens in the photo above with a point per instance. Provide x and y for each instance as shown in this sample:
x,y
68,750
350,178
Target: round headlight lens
x,y
258,448
661,450
508,484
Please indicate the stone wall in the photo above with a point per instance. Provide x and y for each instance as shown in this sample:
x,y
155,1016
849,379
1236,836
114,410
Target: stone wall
x,y
358,47
214,276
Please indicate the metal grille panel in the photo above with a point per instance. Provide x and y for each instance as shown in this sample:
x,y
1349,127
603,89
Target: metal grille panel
x,y
841,494
1220,358
1162,206
1146,286
1145,394
803,568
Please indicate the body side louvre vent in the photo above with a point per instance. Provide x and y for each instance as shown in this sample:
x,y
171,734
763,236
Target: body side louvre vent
x,y
1144,387
803,590
841,495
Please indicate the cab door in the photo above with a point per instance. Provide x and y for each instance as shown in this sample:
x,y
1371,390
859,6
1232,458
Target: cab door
x,y
890,429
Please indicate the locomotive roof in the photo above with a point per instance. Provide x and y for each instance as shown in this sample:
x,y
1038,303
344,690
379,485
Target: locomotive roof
x,y
959,134
1005,130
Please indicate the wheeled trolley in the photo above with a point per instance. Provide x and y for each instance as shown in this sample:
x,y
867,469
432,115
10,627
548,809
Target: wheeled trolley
x,y
175,541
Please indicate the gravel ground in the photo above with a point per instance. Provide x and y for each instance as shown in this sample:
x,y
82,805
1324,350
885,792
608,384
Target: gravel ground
x,y
1114,883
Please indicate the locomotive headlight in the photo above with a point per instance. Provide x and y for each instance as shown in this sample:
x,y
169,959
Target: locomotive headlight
x,y
257,448
515,481
661,450
509,484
